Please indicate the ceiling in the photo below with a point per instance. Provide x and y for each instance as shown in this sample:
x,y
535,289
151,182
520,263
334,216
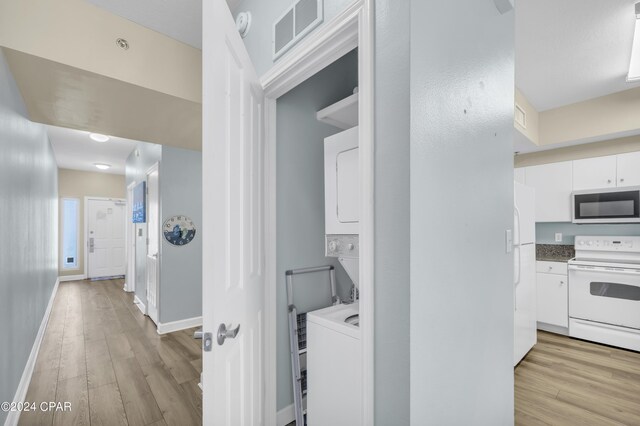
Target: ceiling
x,y
75,150
178,19
572,50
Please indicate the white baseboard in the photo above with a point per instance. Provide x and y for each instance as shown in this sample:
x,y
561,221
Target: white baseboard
x,y
80,277
286,415
140,305
25,380
170,327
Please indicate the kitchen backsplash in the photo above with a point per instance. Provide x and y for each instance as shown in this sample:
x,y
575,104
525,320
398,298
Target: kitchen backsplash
x,y
545,232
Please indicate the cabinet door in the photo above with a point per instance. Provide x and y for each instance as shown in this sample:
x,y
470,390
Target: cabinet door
x,y
553,185
594,173
552,303
629,169
518,175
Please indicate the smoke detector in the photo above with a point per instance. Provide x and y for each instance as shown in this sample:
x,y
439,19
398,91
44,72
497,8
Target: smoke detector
x,y
243,23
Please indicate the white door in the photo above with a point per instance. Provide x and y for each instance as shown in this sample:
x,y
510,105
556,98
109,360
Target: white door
x,y
153,242
131,242
106,238
233,225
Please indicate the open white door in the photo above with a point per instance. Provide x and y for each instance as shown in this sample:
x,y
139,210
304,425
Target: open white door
x,y
153,241
233,225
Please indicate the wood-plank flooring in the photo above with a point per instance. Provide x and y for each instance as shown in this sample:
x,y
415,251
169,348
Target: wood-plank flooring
x,y
105,357
564,381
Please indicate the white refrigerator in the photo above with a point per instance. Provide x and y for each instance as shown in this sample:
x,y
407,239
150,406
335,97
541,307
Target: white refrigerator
x,y
524,271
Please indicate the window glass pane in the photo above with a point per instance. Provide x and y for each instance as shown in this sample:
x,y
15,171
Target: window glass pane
x,y
70,211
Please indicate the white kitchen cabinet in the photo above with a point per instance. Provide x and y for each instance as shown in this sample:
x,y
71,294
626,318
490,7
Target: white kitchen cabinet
x,y
519,175
553,184
553,296
594,173
628,169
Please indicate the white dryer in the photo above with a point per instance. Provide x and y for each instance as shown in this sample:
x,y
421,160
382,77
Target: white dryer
x,y
334,370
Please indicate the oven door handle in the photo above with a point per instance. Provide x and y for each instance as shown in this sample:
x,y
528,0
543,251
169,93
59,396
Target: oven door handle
x,y
607,270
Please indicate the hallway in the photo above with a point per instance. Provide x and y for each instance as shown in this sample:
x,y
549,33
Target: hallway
x,y
101,354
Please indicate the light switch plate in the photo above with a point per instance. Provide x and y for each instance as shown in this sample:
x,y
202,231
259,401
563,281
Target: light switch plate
x,y
558,237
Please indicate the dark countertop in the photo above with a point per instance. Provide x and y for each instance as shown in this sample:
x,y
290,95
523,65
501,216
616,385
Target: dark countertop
x,y
554,252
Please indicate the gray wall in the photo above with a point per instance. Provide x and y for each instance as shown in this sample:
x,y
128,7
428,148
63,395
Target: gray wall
x,y
462,94
264,14
139,161
300,201
181,267
546,232
28,208
392,212
180,193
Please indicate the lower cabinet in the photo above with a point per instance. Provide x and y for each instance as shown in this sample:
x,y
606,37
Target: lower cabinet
x,y
553,294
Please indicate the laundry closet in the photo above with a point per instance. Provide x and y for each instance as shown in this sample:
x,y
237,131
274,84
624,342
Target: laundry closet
x,y
317,219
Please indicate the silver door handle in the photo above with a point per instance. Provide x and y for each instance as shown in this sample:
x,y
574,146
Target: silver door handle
x,y
223,333
91,245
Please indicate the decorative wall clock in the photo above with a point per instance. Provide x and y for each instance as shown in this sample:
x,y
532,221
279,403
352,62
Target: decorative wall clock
x,y
179,230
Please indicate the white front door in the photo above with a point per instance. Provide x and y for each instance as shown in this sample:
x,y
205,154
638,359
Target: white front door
x,y
233,225
153,242
130,284
106,255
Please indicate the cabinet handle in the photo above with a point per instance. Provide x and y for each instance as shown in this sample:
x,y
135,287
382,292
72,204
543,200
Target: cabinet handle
x,y
609,180
561,282
621,180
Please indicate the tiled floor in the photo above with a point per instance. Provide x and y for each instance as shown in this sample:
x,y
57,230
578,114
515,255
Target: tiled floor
x,y
104,357
564,381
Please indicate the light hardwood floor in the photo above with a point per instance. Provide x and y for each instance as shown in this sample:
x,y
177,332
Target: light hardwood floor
x,y
101,354
564,381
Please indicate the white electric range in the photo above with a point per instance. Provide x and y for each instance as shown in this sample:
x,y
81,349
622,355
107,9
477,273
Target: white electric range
x,y
604,291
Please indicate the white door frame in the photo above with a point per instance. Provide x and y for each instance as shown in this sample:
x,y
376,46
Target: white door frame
x,y
86,227
153,168
350,29
130,284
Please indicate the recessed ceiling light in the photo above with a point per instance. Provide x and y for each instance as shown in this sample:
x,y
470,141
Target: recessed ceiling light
x,y
122,43
98,137
102,166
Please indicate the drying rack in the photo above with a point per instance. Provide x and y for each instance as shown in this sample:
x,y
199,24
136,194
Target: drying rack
x,y
298,337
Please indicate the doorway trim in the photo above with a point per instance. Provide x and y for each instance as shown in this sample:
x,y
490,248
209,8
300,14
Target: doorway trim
x,y
154,168
130,235
86,227
352,28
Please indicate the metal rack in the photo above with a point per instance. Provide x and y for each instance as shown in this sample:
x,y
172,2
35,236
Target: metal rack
x,y
298,337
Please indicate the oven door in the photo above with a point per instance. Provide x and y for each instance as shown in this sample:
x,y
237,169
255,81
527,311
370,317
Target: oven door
x,y
606,206
607,295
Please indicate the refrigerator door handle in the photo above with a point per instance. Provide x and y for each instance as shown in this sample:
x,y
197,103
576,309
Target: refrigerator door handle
x,y
516,226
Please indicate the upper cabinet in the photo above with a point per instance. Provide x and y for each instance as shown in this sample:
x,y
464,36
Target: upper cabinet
x,y
594,173
628,169
553,184
519,175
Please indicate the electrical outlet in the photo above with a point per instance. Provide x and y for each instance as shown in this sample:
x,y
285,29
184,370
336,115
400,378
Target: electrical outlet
x,y
558,237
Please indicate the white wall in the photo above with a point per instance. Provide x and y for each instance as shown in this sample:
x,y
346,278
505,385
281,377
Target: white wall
x,y
462,94
29,232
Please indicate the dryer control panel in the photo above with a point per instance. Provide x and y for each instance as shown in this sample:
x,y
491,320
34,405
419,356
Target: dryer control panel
x,y
342,246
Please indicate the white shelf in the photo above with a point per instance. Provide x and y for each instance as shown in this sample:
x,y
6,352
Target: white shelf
x,y
343,114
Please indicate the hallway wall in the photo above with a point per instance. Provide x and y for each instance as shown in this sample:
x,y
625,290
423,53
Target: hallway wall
x,y
79,184
29,212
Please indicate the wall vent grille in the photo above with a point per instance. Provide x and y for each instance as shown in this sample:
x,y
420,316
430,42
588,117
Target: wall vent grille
x,y
520,116
297,21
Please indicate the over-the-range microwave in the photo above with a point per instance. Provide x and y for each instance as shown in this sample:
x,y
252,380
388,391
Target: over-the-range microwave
x,y
610,205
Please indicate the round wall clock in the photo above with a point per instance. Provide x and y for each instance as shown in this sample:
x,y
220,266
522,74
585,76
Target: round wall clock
x,y
179,230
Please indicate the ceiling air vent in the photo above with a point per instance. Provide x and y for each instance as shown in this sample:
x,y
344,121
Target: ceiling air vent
x,y
295,23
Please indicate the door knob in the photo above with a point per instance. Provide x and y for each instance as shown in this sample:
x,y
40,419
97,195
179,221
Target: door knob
x,y
223,333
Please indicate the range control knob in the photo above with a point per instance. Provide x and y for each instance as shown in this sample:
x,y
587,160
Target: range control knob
x,y
333,245
350,246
